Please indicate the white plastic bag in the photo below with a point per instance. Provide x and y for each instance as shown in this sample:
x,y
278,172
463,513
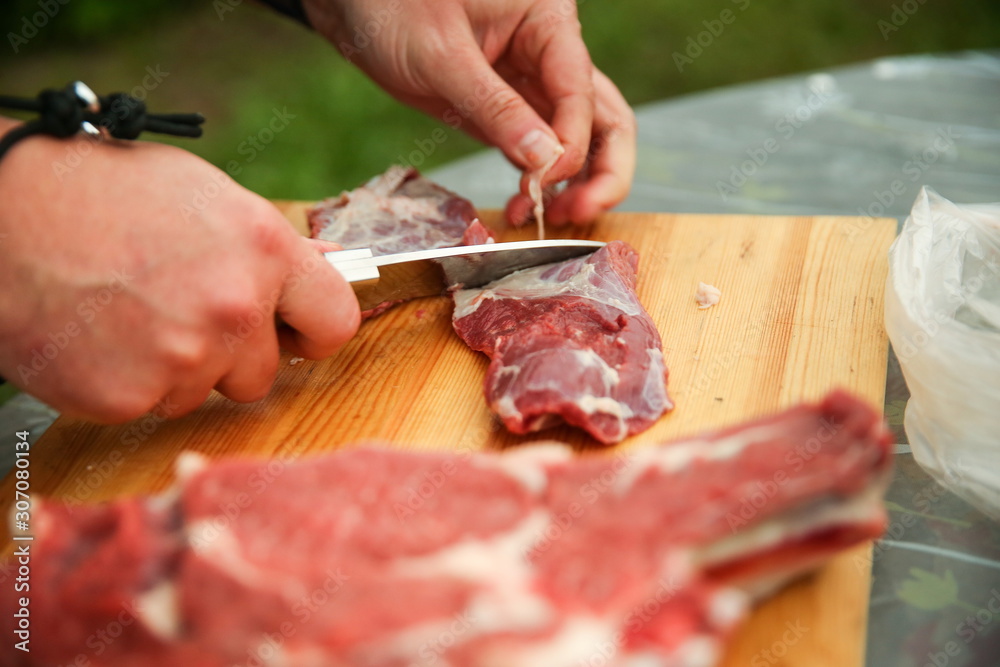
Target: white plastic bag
x,y
942,313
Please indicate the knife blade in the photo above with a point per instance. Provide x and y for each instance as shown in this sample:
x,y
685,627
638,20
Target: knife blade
x,y
408,275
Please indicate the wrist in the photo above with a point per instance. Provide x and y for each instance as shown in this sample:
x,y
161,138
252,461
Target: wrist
x,y
31,151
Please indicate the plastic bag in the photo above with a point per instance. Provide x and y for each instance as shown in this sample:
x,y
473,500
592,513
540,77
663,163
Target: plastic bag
x,y
942,313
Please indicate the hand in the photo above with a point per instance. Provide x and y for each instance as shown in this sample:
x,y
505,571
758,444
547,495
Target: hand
x,y
513,73
144,275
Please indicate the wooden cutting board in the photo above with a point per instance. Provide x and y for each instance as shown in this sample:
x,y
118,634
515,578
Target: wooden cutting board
x,y
801,313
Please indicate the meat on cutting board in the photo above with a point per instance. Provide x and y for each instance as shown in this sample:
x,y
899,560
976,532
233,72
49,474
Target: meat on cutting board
x,y
387,558
569,342
397,211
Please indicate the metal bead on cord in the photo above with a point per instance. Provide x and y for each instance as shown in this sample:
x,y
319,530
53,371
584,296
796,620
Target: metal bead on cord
x,y
75,108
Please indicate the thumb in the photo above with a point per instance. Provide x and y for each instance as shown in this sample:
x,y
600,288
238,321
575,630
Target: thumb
x,y
474,89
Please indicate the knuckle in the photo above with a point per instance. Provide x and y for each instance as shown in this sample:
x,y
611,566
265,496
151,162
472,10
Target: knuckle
x,y
184,353
432,49
249,391
124,406
257,391
503,106
265,234
238,305
624,123
574,159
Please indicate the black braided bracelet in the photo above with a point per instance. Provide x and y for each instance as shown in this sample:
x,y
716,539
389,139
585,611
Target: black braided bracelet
x,y
75,108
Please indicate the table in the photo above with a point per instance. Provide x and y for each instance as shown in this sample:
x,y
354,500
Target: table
x,y
856,140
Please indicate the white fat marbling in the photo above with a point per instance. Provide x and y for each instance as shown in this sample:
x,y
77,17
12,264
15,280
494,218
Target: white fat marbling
x,y
158,611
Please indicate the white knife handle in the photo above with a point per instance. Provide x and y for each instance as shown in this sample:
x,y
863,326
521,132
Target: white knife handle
x,y
353,264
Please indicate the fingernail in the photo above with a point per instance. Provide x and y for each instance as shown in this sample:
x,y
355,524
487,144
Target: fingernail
x,y
539,149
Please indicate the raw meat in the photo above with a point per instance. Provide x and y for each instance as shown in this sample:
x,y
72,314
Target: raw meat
x,y
569,342
388,558
398,211
707,296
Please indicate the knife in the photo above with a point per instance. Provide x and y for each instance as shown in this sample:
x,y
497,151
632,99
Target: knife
x,y
408,275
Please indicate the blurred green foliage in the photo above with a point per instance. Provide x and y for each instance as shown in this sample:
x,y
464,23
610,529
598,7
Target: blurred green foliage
x,y
76,24
247,66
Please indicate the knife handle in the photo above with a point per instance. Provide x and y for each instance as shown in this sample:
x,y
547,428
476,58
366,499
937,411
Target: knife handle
x,y
353,265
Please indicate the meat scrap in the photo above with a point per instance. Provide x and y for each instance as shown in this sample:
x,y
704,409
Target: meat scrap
x,y
391,558
569,342
398,211
536,192
707,295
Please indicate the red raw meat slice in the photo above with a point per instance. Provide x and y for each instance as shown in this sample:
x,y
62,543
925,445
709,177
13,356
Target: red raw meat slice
x,y
569,342
388,558
398,211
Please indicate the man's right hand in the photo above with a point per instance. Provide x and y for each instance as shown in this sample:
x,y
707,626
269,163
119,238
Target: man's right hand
x,y
143,276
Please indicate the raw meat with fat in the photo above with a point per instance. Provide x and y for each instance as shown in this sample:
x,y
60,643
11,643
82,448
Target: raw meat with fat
x,y
398,211
569,342
388,558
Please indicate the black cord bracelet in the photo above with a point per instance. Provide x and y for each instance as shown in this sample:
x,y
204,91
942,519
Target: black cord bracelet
x,y
75,108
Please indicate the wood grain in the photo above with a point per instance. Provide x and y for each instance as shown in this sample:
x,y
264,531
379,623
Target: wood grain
x,y
801,313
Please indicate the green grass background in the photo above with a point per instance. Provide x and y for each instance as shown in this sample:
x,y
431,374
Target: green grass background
x,y
238,66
